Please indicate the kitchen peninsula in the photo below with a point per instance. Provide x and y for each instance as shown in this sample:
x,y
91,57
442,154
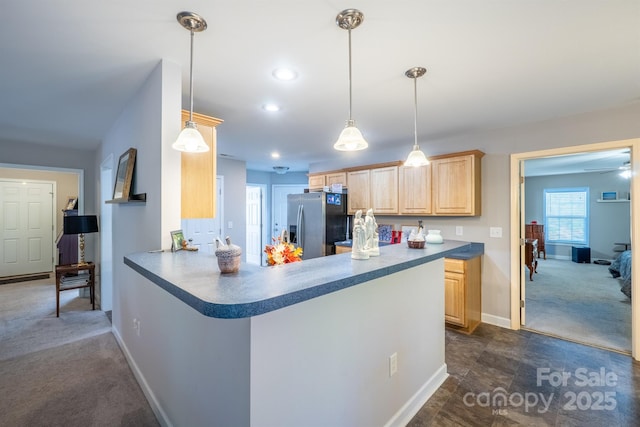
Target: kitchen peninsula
x,y
327,341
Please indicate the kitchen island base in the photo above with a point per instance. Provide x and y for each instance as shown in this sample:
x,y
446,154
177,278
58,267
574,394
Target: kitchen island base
x,y
324,361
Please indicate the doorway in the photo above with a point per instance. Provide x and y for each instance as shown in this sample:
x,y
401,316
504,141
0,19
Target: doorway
x,y
575,297
519,276
256,232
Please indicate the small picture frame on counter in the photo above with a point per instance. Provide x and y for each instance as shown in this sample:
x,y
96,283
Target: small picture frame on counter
x,y
176,240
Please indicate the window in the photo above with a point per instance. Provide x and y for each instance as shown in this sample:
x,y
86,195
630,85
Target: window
x,y
567,215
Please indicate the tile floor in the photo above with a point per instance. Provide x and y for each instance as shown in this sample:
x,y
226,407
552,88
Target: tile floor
x,y
496,371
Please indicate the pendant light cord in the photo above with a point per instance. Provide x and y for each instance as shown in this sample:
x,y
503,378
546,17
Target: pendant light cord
x,y
350,97
415,104
191,81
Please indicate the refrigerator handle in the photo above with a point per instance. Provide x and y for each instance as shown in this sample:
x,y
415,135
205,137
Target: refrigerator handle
x,y
299,226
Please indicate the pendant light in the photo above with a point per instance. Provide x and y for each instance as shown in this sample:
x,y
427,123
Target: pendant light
x,y
416,156
350,138
190,139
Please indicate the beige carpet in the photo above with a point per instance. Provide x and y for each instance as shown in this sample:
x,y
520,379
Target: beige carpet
x,y
28,319
66,371
580,302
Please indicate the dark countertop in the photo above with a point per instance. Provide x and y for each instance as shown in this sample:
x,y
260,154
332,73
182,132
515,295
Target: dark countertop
x,y
194,277
472,251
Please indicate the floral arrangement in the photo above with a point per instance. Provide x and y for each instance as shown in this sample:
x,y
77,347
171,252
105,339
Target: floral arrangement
x,y
282,252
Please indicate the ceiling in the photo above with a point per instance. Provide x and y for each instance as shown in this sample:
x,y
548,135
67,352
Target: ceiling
x,y
607,161
69,67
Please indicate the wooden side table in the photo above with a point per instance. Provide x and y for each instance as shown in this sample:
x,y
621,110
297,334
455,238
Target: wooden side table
x,y
69,277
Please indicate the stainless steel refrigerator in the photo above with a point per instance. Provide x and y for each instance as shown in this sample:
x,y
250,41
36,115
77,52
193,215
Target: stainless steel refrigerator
x,y
316,221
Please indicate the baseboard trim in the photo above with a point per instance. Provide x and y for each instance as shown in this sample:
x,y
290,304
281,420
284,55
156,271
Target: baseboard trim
x,y
417,401
503,322
7,280
162,417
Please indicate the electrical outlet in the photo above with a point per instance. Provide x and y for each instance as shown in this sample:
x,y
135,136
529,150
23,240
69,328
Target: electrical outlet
x,y
459,230
230,224
136,326
393,364
495,231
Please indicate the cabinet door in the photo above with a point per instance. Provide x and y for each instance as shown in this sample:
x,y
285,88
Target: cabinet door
x,y
198,183
336,178
456,186
342,249
359,191
415,190
316,182
454,298
384,190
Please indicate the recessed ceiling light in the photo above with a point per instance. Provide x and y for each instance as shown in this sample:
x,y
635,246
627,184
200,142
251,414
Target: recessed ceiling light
x,y
275,155
271,107
284,74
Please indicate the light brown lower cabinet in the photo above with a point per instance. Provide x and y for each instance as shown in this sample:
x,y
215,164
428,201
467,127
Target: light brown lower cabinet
x,y
342,249
462,293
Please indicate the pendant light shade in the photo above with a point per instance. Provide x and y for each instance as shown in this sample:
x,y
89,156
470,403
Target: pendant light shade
x,y
416,156
190,140
350,138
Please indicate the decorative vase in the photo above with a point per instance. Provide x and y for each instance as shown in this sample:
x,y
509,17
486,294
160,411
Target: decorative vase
x,y
433,236
228,256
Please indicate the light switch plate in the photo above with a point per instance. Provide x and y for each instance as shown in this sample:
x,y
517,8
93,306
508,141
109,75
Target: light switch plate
x,y
495,231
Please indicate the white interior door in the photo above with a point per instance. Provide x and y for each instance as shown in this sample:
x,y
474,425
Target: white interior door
x,y
279,206
26,227
105,294
203,231
254,225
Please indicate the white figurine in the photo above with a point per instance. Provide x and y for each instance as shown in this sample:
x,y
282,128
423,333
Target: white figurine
x,y
372,234
359,243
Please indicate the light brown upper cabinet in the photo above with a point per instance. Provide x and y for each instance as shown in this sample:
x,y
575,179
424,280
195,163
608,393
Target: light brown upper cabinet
x,y
359,191
199,172
456,185
316,182
384,190
414,190
449,186
336,178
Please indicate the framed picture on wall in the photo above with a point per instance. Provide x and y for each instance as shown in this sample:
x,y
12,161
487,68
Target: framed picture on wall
x,y
124,175
71,203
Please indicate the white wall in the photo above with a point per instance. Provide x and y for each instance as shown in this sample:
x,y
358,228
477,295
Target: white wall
x,y
150,122
37,155
609,222
235,202
609,125
325,361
